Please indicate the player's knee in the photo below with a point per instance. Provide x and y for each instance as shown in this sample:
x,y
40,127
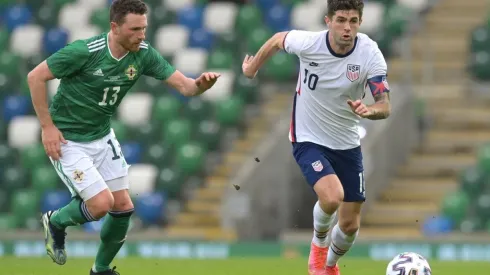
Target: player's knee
x,y
329,204
104,207
330,193
123,204
349,225
122,200
101,204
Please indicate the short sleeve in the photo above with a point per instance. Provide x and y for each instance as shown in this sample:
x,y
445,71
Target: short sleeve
x,y
377,66
295,41
156,66
68,60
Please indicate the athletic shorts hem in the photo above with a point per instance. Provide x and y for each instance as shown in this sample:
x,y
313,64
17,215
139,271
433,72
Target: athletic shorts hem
x,y
92,190
317,161
118,184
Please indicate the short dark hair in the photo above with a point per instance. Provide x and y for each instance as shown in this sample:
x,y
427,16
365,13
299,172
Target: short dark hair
x,y
338,5
121,8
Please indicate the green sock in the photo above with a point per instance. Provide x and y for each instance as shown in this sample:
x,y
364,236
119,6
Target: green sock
x,y
75,213
112,235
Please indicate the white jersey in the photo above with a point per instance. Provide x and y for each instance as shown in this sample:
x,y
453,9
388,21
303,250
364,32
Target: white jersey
x,y
326,81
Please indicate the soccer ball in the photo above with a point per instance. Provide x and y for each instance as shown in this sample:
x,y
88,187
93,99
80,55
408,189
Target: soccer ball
x,y
408,263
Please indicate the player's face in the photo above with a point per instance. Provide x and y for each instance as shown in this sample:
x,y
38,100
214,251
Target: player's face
x,y
132,32
344,26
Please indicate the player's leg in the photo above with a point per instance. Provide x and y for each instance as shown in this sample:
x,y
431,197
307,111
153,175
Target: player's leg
x,y
348,165
344,233
115,227
330,194
114,170
319,173
91,199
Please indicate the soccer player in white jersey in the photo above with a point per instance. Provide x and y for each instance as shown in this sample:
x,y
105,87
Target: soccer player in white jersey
x,y
336,66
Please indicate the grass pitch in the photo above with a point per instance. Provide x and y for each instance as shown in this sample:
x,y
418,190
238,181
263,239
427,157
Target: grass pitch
x,y
245,266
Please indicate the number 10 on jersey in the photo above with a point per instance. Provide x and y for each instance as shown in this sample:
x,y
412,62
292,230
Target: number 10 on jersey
x,y
113,100
310,79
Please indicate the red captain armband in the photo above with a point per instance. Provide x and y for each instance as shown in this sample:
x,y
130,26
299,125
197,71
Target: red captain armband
x,y
378,85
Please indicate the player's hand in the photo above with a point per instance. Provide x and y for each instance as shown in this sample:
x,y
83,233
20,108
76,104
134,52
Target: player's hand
x,y
207,80
359,108
246,68
52,138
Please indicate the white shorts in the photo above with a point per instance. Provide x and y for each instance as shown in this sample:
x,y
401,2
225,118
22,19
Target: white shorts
x,y
87,168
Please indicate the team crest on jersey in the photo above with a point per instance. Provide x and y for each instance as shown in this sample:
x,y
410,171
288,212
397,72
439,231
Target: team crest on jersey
x,y
317,166
131,72
353,72
78,176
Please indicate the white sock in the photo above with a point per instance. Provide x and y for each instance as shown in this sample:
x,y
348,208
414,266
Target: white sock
x,y
321,225
339,245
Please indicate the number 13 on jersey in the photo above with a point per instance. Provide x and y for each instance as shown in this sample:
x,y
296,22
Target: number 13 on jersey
x,y
115,90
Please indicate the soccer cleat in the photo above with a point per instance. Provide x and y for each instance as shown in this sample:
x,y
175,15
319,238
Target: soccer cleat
x,y
332,270
54,240
107,272
317,259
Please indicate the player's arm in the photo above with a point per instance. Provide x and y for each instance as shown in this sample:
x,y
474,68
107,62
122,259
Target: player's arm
x,y
65,62
36,80
293,42
378,84
189,86
252,64
381,108
159,68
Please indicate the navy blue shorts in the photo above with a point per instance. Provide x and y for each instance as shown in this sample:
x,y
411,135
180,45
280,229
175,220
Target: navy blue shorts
x,y
317,161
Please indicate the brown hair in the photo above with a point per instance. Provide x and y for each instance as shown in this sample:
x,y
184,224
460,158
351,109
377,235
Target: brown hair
x,y
337,5
121,8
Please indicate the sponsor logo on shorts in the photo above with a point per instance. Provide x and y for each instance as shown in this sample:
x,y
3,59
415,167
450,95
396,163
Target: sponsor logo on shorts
x,y
78,176
317,166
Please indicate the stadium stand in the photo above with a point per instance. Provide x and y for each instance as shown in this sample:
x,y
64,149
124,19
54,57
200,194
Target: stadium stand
x,y
467,208
480,51
443,186
174,144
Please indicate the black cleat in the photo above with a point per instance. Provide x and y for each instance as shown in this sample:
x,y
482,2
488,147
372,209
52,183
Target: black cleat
x,y
54,240
107,272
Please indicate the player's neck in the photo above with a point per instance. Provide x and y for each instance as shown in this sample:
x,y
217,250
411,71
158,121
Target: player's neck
x,y
336,48
117,50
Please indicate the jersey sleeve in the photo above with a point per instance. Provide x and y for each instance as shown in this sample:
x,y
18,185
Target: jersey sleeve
x,y
376,79
296,41
377,66
156,66
68,60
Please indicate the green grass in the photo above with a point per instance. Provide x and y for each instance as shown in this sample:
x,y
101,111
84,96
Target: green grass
x,y
246,266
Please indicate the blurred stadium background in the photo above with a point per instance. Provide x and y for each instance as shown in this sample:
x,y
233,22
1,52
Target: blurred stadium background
x,y
427,167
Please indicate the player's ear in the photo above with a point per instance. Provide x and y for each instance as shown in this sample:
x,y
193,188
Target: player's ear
x,y
114,28
327,21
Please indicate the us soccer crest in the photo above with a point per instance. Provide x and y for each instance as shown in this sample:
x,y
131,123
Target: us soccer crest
x,y
317,166
353,72
131,72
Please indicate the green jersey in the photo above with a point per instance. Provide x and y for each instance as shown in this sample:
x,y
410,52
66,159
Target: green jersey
x,y
93,83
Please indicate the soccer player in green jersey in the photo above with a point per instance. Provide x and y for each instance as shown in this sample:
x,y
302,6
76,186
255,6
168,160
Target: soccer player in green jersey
x,y
96,74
